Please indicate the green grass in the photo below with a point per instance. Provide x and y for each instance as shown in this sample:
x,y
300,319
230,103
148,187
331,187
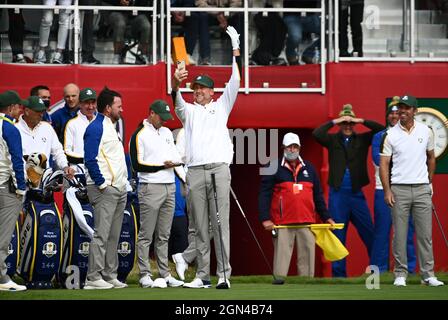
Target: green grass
x,y
255,288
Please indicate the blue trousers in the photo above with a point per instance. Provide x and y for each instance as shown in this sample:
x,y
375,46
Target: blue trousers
x,y
381,242
347,206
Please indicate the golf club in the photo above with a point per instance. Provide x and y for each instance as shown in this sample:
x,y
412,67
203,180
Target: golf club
x,y
223,285
276,281
440,225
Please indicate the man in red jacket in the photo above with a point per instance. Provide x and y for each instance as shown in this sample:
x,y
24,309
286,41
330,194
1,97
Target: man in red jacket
x,y
292,195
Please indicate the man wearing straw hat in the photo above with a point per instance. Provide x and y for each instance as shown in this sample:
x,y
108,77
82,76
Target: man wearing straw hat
x,y
292,195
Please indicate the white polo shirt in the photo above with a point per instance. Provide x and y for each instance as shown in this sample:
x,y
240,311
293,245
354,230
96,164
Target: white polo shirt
x,y
408,151
42,139
74,139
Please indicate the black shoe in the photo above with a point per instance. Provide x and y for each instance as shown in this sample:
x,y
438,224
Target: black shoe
x,y
90,60
278,281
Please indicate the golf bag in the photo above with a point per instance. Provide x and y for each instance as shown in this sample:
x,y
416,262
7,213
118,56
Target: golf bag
x,y
127,246
12,260
41,234
78,224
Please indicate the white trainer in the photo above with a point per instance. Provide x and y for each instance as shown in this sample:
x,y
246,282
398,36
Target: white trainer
x,y
181,265
40,57
159,283
222,284
173,282
146,282
117,284
58,58
198,283
432,282
97,285
11,286
400,282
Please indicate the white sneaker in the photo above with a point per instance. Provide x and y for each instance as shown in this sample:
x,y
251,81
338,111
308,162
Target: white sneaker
x,y
198,283
400,282
432,282
173,282
146,282
159,283
19,58
58,58
181,265
40,57
191,61
97,285
117,284
222,284
11,286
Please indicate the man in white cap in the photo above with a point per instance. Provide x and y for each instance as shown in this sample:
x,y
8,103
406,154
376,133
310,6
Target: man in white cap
x,y
292,195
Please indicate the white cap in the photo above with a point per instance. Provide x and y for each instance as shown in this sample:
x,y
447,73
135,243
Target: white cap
x,y
291,138
159,283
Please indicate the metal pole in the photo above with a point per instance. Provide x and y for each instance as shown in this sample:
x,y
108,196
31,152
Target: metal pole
x,y
440,225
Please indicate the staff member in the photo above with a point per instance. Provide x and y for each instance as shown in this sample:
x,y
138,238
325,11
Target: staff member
x,y
292,195
209,150
106,187
12,187
407,166
153,156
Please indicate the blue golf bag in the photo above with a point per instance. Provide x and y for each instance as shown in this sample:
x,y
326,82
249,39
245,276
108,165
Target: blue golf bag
x,y
41,234
78,224
127,251
12,260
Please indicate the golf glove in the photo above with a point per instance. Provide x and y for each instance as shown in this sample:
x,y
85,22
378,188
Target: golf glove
x,y
234,36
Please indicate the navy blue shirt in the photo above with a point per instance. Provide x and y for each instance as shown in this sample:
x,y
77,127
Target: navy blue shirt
x,y
60,118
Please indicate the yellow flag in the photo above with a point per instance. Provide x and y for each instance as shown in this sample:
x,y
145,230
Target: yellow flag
x,y
333,249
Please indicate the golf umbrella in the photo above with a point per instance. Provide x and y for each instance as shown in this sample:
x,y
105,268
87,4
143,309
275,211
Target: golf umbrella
x,y
332,248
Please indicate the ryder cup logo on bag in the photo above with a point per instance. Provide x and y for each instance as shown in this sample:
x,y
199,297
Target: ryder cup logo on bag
x,y
49,249
124,248
10,249
84,249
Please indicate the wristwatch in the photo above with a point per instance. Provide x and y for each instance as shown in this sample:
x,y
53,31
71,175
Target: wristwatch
x,y
438,122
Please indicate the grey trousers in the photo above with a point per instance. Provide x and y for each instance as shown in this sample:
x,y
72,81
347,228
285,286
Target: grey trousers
x,y
156,214
203,209
415,200
305,242
108,206
10,207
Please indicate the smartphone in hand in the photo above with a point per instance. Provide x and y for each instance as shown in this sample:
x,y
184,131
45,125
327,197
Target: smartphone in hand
x,y
181,65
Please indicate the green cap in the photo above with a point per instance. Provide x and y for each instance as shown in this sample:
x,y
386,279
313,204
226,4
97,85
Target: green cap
x,y
409,101
87,94
10,97
347,110
161,108
204,80
35,103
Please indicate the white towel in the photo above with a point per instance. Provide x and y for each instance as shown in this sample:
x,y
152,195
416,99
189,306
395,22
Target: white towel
x,y
78,212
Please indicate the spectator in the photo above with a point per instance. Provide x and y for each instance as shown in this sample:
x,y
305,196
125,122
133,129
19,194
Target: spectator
x,y
106,187
71,105
298,25
292,195
88,42
347,157
44,32
43,92
382,215
356,15
154,155
16,31
140,28
407,166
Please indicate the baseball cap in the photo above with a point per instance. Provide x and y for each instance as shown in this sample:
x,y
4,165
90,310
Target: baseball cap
x,y
35,103
10,97
409,101
347,110
204,80
87,94
162,108
291,138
